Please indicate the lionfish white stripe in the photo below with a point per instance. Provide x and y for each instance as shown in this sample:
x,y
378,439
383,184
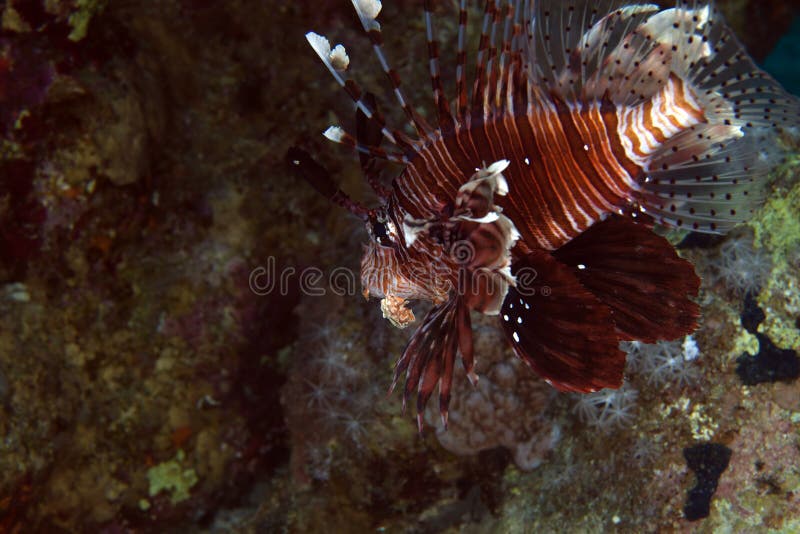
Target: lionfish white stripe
x,y
587,188
446,158
600,166
637,130
663,104
617,170
582,190
438,160
510,90
551,222
652,143
681,116
556,132
658,120
690,99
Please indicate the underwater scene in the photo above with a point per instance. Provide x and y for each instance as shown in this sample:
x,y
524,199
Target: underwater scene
x,y
550,283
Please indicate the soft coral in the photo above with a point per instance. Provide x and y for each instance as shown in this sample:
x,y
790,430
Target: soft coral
x,y
665,362
608,408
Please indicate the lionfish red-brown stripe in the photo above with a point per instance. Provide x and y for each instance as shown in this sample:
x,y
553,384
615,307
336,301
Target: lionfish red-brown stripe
x,y
588,122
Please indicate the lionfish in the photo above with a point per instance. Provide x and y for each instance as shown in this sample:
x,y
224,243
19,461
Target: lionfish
x,y
535,198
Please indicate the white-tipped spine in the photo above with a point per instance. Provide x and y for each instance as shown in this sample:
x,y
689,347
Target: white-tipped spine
x,y
320,44
334,133
368,11
336,60
339,58
322,47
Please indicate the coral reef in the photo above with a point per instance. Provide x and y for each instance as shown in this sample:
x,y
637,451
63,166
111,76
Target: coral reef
x,y
742,267
608,409
171,477
665,363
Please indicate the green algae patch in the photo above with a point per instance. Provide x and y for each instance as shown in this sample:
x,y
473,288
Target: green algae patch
x,y
79,19
781,303
777,225
172,477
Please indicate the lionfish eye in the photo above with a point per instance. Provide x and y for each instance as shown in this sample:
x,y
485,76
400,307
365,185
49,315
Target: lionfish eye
x,y
381,234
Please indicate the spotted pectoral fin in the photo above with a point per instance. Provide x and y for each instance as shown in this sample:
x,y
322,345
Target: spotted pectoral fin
x,y
637,274
559,328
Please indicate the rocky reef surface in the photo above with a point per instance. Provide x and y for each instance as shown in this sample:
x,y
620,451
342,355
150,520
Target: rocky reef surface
x,y
182,347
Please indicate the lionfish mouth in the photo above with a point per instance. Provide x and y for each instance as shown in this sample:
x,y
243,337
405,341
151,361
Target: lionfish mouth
x,y
603,119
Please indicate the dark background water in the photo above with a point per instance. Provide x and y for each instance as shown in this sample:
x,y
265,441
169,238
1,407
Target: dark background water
x,y
784,60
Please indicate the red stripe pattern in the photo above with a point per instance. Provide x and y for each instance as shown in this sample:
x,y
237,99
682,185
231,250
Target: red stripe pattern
x,y
568,169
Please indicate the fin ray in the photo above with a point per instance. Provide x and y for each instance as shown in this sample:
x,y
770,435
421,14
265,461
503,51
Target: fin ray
x,y
638,274
559,328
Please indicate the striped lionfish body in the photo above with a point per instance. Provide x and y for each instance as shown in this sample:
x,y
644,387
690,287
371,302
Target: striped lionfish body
x,y
533,197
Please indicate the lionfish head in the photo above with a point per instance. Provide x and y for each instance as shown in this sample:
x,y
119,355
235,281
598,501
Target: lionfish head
x,y
461,252
395,274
